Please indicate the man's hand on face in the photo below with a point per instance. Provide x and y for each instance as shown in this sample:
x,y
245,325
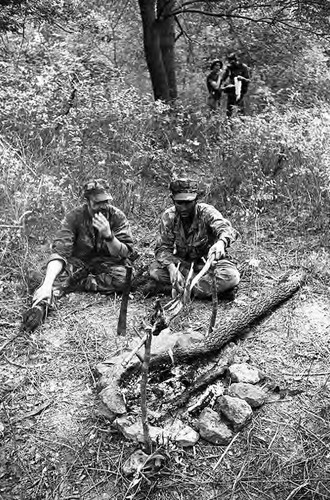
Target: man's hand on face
x,y
218,250
101,223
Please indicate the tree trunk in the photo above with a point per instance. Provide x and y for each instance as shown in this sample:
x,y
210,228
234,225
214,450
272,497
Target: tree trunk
x,y
153,51
167,40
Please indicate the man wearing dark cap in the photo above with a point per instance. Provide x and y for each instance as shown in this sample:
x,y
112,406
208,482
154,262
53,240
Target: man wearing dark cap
x,y
189,232
235,82
92,246
213,81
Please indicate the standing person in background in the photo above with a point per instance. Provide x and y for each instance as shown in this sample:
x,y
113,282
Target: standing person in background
x,y
213,82
235,82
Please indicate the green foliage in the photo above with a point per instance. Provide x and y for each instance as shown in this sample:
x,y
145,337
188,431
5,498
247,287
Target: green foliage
x,y
15,15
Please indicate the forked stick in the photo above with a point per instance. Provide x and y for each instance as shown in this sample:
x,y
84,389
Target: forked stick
x,y
186,291
201,273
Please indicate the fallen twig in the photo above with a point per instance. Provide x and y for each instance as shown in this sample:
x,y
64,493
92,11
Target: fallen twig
x,y
135,351
201,401
308,431
225,452
27,367
7,342
35,412
297,377
300,487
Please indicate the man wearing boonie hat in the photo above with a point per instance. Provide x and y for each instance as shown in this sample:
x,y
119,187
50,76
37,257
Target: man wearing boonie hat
x,y
189,232
92,246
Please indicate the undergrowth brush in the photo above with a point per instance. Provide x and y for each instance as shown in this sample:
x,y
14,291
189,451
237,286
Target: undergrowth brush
x,y
274,163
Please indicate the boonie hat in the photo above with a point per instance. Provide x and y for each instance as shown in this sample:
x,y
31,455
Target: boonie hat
x,y
184,189
98,188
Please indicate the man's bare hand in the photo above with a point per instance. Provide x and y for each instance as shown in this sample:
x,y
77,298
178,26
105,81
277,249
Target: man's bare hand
x,y
101,223
176,277
44,292
218,250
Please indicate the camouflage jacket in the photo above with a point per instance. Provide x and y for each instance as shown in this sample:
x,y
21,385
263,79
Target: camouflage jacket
x,y
208,226
78,238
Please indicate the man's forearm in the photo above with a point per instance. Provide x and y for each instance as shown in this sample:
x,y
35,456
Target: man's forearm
x,y
54,268
171,267
116,248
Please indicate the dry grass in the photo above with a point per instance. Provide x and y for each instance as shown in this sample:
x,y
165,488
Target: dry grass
x,y
57,443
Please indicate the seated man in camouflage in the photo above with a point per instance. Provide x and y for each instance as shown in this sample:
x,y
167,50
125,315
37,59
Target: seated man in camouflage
x,y
92,246
190,231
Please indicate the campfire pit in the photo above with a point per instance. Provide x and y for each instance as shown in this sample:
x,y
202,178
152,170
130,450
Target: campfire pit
x,y
182,364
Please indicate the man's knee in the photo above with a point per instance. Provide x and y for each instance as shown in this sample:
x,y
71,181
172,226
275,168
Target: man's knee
x,y
227,275
158,273
233,278
111,281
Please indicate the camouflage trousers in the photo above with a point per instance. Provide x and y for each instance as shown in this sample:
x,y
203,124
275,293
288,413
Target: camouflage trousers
x,y
226,275
96,275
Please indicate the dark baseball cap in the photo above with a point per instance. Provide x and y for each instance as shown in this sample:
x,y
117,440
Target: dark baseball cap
x,y
98,188
232,57
184,189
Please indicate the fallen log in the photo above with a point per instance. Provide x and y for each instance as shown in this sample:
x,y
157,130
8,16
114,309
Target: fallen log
x,y
233,326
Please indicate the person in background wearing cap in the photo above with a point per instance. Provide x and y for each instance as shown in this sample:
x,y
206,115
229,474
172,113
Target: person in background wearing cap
x,y
213,82
94,242
235,72
190,231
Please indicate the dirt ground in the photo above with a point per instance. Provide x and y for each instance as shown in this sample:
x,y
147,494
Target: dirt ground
x,y
57,443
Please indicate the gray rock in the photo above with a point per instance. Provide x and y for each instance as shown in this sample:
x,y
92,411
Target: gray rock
x,y
132,429
186,437
112,398
236,410
102,411
212,428
180,433
135,463
252,394
240,355
243,372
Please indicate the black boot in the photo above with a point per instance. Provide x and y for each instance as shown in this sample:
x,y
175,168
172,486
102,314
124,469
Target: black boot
x,y
35,316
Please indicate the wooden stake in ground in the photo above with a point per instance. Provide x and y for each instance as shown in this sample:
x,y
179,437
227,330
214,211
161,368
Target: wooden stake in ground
x,y
144,383
214,302
121,328
122,321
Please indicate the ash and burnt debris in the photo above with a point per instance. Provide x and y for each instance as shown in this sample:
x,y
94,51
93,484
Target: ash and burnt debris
x,y
222,410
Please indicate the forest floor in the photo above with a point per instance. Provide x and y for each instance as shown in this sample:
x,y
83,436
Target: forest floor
x,y
57,443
